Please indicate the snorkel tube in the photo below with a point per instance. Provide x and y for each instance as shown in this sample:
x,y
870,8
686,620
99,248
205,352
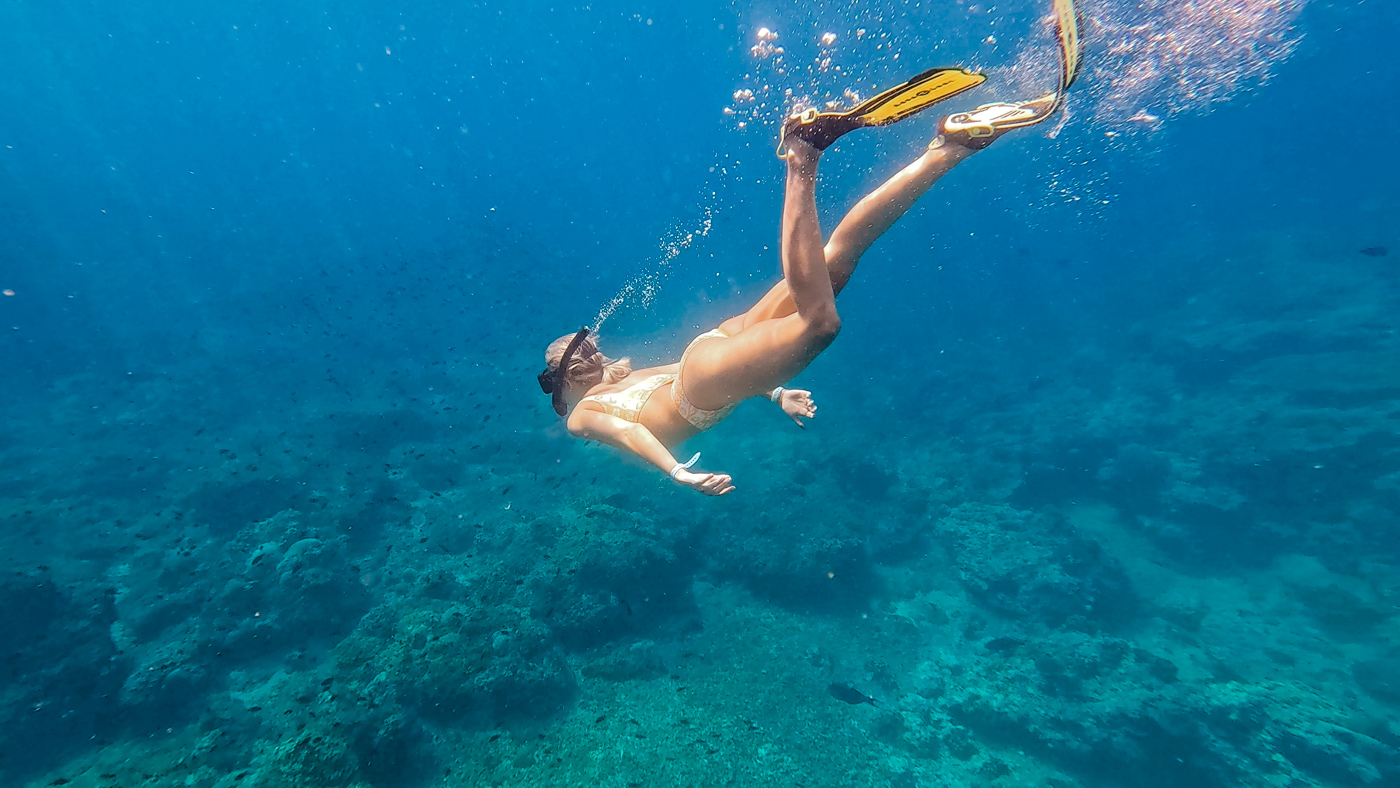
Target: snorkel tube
x,y
552,381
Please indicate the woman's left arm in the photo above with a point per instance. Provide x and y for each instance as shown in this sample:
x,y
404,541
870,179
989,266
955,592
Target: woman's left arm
x,y
595,425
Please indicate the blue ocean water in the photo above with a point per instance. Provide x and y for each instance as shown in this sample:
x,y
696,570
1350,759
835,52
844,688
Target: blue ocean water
x,y
1104,488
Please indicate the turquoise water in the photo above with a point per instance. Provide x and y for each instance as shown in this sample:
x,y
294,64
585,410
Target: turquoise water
x,y
1104,488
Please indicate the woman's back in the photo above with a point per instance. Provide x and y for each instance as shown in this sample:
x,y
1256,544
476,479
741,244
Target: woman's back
x,y
633,399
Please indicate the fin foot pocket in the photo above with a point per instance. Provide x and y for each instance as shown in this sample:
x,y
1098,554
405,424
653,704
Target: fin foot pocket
x,y
978,128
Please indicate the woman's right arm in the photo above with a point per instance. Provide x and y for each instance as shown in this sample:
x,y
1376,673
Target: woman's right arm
x,y
595,425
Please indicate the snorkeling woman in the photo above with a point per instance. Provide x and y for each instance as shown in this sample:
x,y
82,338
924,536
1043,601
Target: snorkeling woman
x,y
753,354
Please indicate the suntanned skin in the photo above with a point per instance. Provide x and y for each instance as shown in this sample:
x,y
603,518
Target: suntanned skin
x,y
776,339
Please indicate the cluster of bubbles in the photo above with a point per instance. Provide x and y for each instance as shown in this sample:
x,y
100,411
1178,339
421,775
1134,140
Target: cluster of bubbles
x,y
764,103
751,104
1146,60
641,289
765,48
1154,59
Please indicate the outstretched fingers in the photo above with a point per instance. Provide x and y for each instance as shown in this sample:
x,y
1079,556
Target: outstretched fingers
x,y
717,484
707,483
798,403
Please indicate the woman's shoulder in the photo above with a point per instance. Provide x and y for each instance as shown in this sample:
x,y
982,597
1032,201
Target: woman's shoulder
x,y
633,378
643,374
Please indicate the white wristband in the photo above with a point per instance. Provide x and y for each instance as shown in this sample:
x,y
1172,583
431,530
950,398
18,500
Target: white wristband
x,y
776,394
680,466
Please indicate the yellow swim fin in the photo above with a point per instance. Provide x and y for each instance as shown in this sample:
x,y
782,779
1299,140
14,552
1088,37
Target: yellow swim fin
x,y
977,129
1067,24
820,129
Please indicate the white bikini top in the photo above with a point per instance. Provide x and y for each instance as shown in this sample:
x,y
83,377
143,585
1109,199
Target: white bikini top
x,y
628,403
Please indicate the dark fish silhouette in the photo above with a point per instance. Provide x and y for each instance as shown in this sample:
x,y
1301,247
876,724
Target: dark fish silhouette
x,y
1003,644
848,694
1375,251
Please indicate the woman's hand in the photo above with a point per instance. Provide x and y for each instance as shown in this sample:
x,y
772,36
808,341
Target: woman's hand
x,y
797,403
707,483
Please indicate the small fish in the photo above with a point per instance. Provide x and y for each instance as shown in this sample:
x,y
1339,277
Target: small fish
x,y
1375,251
1003,644
848,694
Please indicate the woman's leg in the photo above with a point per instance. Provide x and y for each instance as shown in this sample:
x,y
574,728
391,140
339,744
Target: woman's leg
x,y
721,371
862,225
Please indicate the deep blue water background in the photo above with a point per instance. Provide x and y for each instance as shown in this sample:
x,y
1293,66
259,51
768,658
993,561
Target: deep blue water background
x,y
239,221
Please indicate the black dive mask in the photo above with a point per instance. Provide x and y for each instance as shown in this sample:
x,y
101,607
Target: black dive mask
x,y
552,381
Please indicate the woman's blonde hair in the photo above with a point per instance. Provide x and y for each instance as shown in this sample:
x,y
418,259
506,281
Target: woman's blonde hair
x,y
588,364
